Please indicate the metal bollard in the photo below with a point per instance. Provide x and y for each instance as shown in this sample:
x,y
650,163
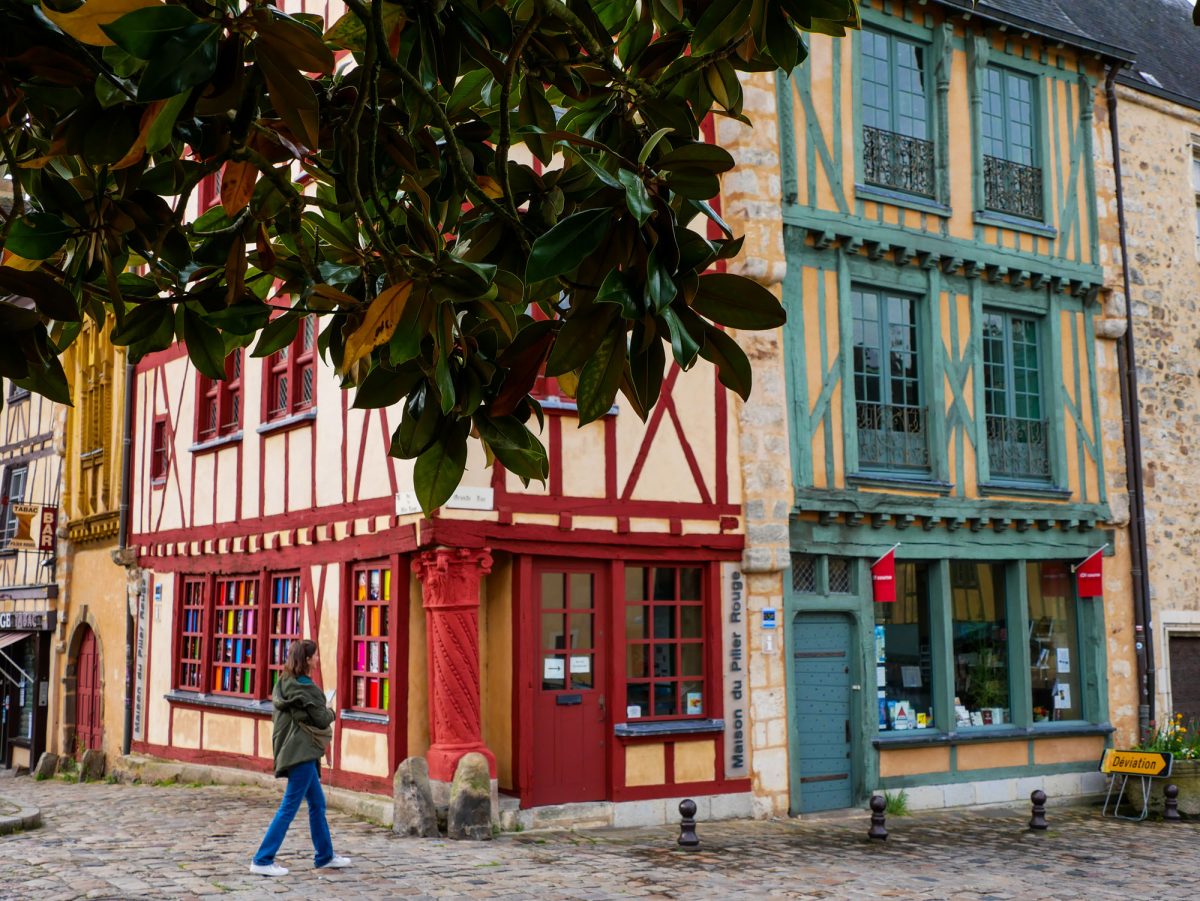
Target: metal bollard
x,y
1038,820
687,825
1171,803
878,828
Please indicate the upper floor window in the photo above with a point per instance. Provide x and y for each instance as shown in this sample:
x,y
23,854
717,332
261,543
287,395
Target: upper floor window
x,y
16,392
1012,174
290,381
1016,429
220,402
897,150
159,453
15,478
891,417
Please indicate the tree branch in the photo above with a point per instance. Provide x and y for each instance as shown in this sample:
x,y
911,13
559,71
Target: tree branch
x,y
505,138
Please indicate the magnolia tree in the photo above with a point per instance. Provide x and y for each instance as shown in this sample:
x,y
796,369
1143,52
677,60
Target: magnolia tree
x,y
466,193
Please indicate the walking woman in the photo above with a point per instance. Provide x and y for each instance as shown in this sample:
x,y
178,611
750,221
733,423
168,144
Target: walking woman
x,y
302,733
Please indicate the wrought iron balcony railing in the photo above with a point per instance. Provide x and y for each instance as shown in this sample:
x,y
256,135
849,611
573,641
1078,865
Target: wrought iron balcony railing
x,y
892,437
1018,448
897,161
1012,188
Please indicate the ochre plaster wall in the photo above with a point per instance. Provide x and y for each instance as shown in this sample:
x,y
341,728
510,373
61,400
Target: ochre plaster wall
x,y
496,666
645,764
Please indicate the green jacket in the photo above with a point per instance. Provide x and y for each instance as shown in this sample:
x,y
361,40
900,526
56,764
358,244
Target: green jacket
x,y
297,701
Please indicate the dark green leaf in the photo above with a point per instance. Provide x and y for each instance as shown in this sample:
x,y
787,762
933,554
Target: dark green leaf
x,y
204,345
616,288
418,428
737,302
37,236
684,345
49,296
568,244
277,334
601,377
646,367
184,60
142,322
440,468
660,289
141,32
721,22
580,336
702,157
49,380
385,387
733,368
514,446
637,198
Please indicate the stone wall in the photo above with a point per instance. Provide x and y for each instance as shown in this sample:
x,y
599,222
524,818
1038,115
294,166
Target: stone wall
x,y
1156,156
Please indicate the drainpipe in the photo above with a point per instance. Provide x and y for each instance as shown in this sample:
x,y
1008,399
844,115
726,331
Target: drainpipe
x,y
122,536
1130,413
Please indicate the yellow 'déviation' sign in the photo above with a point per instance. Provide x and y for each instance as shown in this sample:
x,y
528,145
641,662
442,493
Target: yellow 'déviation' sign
x,y
1136,763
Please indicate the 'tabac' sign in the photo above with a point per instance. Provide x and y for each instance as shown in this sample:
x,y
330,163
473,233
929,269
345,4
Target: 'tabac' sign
x,y
1136,763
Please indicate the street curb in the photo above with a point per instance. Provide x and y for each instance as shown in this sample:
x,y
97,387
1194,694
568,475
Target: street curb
x,y
24,818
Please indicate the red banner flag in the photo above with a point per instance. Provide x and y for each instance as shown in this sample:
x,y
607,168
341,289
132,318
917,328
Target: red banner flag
x,y
1089,576
883,578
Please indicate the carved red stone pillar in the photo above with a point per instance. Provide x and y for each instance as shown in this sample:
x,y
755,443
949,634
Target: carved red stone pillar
x,y
450,579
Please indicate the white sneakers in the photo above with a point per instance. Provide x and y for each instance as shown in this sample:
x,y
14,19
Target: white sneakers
x,y
274,869
268,869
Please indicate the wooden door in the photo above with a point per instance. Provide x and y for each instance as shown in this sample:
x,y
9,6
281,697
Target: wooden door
x,y
570,715
821,701
1184,653
87,693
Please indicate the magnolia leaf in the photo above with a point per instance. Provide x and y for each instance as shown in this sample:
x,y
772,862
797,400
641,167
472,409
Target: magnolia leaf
x,y
85,24
568,244
737,302
237,185
440,468
141,32
378,324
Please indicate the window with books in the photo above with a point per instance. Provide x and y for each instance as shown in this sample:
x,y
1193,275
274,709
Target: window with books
x,y
1053,643
903,657
370,675
284,624
979,626
235,636
664,642
191,639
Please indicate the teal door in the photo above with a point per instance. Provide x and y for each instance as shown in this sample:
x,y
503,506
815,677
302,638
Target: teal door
x,y
821,712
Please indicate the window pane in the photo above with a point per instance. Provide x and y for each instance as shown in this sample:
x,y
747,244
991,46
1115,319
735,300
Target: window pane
x,y
689,584
690,619
635,582
903,663
1053,643
664,699
552,591
637,662
693,698
664,621
636,625
553,635
581,631
637,700
980,633
554,672
581,591
691,659
664,584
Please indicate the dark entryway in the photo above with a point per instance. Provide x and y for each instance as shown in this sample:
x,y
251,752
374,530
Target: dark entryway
x,y
1185,675
89,728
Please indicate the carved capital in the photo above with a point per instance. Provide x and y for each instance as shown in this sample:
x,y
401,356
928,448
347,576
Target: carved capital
x,y
450,576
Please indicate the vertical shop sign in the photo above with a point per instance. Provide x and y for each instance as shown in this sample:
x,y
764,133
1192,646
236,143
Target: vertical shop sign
x,y
735,671
883,577
139,692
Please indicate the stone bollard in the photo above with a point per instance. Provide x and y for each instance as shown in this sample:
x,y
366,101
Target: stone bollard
x,y
878,828
1171,803
470,814
413,812
687,825
1038,820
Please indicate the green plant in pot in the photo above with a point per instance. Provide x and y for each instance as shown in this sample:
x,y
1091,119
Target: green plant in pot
x,y
989,688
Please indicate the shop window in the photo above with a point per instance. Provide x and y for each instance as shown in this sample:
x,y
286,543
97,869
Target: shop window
x,y
1053,643
290,383
903,659
889,410
664,642
235,636
568,631
896,146
370,672
979,627
284,625
159,454
840,575
191,638
15,478
804,573
219,407
1012,174
1016,428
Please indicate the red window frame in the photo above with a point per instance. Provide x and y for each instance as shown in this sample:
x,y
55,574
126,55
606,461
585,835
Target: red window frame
x,y
290,378
219,402
160,455
208,191
235,634
371,593
193,610
283,625
666,642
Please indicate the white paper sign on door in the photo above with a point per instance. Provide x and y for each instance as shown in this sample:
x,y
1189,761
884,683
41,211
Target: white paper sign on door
x,y
1064,660
1062,695
553,668
581,664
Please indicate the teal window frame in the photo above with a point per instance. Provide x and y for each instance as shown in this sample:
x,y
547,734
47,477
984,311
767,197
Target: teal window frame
x,y
1017,166
1012,419
1006,76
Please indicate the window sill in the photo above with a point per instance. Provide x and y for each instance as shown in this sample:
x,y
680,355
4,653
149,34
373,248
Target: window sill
x,y
925,738
899,198
667,727
1003,220
915,482
213,443
219,702
556,404
1024,489
287,422
159,482
356,716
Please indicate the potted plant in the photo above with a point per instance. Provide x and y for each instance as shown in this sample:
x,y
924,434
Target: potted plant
x,y
1182,741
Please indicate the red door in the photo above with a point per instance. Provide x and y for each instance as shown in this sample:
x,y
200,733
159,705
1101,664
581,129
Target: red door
x,y
569,709
87,693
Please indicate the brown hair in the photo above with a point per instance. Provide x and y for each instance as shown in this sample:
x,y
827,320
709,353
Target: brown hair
x,y
299,658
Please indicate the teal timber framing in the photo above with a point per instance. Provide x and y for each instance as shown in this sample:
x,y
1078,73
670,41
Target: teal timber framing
x,y
868,741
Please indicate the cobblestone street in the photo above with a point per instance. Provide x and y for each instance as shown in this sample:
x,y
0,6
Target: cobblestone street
x,y
143,841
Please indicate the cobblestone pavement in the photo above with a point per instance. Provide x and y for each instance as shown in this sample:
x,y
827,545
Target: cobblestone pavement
x,y
142,841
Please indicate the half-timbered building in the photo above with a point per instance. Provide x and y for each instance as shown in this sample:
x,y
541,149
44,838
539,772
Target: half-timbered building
x,y
30,484
949,245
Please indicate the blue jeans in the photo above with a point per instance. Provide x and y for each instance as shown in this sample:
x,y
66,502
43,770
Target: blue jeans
x,y
304,783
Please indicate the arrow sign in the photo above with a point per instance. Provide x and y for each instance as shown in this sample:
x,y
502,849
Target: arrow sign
x,y
1136,763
